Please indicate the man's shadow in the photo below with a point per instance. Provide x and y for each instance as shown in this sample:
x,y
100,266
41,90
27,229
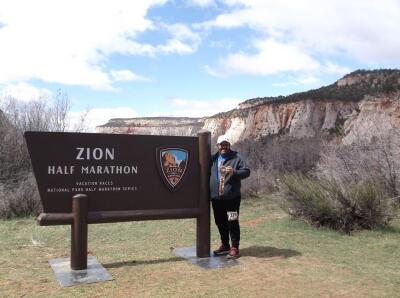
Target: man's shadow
x,y
268,252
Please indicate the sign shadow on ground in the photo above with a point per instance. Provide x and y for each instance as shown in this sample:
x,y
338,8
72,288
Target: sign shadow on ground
x,y
141,262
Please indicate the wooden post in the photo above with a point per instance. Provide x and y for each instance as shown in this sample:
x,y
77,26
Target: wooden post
x,y
79,232
203,220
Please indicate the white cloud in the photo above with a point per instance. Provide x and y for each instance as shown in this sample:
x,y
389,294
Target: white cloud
x,y
366,31
126,75
333,68
175,45
308,80
64,41
183,41
24,92
68,42
100,116
182,107
182,32
202,3
272,57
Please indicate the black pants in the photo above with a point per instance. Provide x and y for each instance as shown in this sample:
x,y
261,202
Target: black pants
x,y
227,227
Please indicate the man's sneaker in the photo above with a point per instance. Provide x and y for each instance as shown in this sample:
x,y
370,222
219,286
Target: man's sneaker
x,y
233,253
222,250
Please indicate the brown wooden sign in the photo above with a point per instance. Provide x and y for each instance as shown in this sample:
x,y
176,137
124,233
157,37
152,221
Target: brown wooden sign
x,y
120,172
120,178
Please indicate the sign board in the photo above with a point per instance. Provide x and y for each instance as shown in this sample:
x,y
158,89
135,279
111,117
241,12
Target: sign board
x,y
117,172
86,178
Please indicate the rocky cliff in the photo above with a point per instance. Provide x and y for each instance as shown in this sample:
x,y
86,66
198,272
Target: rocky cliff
x,y
351,107
181,126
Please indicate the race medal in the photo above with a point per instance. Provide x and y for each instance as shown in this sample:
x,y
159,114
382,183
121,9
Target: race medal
x,y
221,181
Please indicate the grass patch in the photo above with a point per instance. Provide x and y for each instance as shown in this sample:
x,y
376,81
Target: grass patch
x,y
281,257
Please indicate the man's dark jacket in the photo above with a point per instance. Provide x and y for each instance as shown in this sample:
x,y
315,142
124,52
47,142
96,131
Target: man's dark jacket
x,y
232,182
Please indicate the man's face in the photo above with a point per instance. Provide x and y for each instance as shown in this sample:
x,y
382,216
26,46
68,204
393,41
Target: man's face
x,y
224,147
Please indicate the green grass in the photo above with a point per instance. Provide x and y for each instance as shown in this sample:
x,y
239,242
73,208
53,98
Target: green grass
x,y
280,258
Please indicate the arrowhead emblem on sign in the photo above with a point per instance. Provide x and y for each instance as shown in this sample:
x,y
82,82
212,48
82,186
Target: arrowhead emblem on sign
x,y
172,164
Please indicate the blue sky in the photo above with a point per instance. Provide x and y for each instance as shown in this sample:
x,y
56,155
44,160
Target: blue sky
x,y
125,58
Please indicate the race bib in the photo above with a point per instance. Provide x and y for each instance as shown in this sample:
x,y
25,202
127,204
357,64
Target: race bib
x,y
232,215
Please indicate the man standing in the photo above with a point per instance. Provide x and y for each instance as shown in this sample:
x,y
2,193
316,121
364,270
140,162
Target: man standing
x,y
227,171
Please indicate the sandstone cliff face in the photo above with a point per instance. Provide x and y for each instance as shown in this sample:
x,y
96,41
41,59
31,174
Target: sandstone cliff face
x,y
307,118
352,113
373,116
298,119
153,126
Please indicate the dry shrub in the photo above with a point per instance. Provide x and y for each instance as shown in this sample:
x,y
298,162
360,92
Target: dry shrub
x,y
18,191
20,198
325,203
14,157
270,156
353,186
260,181
376,161
281,152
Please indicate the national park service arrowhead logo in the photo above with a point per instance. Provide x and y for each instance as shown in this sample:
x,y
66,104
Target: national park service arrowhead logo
x,y
172,163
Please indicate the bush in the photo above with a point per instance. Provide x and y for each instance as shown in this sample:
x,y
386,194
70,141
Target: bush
x,y
18,191
324,203
260,181
281,153
20,198
270,156
376,161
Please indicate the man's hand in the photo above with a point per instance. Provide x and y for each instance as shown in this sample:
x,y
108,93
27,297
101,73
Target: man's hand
x,y
229,170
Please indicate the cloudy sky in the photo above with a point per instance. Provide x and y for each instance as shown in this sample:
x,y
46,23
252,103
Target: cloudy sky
x,y
125,58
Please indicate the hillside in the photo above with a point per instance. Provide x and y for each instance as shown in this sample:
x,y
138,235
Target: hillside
x,y
352,87
347,107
